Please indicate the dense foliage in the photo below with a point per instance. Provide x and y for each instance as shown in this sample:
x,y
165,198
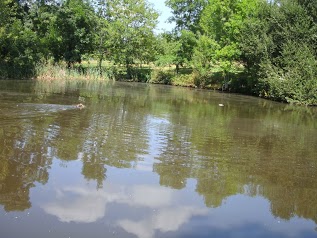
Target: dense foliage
x,y
278,46
259,47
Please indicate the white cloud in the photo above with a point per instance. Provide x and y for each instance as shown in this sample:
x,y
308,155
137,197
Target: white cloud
x,y
166,219
150,196
159,212
79,204
86,205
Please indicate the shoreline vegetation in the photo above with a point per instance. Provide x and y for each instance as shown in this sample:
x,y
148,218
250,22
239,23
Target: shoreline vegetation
x,y
262,48
88,70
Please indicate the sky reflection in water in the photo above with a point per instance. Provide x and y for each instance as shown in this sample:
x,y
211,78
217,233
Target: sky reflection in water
x,y
151,161
152,208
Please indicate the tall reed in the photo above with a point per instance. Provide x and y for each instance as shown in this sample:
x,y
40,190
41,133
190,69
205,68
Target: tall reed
x,y
61,72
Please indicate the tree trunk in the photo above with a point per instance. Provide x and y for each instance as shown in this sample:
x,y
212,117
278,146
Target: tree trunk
x,y
100,64
177,68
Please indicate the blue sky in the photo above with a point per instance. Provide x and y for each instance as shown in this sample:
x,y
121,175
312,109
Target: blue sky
x,y
165,14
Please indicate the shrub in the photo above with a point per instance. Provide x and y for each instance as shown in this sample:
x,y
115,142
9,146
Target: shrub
x,y
184,80
293,77
161,76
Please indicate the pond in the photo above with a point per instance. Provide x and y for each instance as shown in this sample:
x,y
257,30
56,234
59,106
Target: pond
x,y
153,161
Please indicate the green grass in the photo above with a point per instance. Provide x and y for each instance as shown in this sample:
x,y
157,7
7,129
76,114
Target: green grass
x,y
89,70
61,72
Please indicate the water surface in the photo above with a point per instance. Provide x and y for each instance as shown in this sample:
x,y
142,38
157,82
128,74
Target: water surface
x,y
153,161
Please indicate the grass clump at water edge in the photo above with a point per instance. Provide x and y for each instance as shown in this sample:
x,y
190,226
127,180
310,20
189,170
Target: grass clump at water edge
x,y
57,79
77,72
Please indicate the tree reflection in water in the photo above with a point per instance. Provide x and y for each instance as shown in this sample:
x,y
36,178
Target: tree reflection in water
x,y
250,146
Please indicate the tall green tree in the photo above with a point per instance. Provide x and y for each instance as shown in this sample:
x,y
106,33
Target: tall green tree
x,y
310,6
255,41
204,54
168,50
41,16
176,49
186,13
5,10
71,34
222,20
101,32
131,26
19,45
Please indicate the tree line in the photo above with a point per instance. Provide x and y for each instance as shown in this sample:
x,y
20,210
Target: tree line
x,y
259,47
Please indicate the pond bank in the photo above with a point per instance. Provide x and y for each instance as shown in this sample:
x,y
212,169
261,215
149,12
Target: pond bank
x,y
234,82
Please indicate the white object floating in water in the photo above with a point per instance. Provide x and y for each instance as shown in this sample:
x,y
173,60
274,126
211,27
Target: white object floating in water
x,y
221,105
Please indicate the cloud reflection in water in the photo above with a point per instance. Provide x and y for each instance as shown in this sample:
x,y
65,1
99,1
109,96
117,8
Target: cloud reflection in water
x,y
79,204
167,219
85,205
145,210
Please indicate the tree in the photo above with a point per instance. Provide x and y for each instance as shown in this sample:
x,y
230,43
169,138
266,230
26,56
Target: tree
x,y
204,55
168,50
71,34
177,50
41,16
222,20
5,11
255,41
130,25
19,45
310,6
101,34
281,52
186,13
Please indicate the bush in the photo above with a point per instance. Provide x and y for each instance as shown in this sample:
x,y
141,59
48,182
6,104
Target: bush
x,y
293,78
184,80
161,76
140,74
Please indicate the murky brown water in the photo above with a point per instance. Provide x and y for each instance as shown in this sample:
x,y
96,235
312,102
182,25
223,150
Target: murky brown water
x,y
153,161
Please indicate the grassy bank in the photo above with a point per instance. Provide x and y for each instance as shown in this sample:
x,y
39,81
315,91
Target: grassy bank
x,y
89,70
236,81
